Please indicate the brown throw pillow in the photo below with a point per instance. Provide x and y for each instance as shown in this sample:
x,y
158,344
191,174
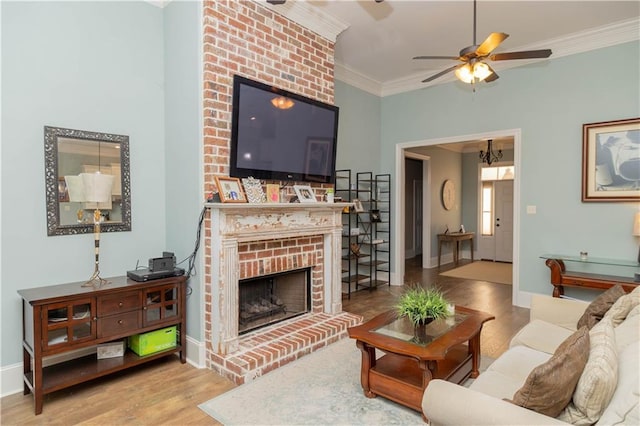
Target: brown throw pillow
x,y
600,305
549,387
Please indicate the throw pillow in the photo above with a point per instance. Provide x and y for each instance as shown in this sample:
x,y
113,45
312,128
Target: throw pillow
x,y
598,380
623,306
549,386
629,331
600,305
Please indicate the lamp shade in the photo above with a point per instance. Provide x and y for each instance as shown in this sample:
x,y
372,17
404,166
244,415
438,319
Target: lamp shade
x,y
465,73
636,225
89,187
97,187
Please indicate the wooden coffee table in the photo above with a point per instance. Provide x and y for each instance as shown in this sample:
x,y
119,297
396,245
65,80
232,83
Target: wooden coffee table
x,y
450,352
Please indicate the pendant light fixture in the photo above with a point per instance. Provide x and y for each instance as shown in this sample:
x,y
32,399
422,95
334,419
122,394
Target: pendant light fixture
x,y
489,156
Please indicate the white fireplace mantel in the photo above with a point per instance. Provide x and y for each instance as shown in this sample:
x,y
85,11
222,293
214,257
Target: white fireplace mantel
x,y
233,223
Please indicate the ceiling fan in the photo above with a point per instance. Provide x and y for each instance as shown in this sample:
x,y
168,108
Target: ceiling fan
x,y
473,67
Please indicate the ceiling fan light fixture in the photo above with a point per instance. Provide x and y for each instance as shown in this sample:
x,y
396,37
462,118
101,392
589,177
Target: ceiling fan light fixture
x,y
465,74
469,73
481,71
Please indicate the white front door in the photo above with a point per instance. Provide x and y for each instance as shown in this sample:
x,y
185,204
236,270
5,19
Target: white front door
x,y
503,221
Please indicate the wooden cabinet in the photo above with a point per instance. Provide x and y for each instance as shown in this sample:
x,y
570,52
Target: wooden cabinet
x,y
67,317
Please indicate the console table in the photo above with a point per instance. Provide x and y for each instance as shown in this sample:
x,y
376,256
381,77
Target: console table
x,y
63,318
457,238
562,277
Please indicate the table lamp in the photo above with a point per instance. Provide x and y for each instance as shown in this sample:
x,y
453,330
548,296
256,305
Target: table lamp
x,y
92,188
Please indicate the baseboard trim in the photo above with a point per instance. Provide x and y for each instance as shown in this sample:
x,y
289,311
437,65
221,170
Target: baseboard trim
x,y
11,375
196,353
11,379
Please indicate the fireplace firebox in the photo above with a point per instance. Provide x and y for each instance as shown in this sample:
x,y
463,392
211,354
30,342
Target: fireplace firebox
x,y
273,298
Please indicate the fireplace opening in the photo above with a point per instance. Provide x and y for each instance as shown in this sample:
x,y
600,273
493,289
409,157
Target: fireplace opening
x,y
273,298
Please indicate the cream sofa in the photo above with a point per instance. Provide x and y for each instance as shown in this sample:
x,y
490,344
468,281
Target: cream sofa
x,y
485,401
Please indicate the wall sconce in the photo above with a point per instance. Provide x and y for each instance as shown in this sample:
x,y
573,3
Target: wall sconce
x,y
281,102
92,188
489,156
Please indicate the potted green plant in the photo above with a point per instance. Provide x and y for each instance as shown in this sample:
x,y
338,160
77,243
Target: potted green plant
x,y
422,305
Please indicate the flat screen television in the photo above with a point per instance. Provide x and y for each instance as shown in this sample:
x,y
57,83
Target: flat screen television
x,y
279,135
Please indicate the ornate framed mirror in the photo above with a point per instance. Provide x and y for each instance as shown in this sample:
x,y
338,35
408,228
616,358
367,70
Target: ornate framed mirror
x,y
71,152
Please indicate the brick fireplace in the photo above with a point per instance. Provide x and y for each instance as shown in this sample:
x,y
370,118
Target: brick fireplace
x,y
254,240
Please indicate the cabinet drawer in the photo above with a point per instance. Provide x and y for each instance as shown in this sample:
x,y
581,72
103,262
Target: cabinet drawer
x,y
116,303
119,324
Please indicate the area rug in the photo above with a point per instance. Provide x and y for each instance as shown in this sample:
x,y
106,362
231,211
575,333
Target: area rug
x,y
494,272
322,388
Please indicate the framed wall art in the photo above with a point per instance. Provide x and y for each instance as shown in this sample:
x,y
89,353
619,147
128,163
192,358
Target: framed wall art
x,y
273,193
230,190
253,190
611,161
305,193
357,205
317,159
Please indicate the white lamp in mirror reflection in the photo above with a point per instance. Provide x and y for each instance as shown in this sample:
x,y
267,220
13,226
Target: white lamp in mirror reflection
x,y
92,188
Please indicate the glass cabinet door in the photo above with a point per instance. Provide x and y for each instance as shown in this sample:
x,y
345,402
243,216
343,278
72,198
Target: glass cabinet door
x,y
67,323
161,304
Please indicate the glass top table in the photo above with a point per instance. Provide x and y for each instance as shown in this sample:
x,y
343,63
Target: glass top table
x,y
404,330
448,349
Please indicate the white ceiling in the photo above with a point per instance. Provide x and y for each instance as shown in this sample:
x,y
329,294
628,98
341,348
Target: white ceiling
x,y
374,51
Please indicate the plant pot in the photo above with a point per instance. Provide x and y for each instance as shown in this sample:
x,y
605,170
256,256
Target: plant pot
x,y
420,331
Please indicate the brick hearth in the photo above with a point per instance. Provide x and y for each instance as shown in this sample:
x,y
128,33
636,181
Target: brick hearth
x,y
272,347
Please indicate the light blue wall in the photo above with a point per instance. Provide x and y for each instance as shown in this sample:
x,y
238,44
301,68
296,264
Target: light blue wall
x,y
182,35
94,66
550,102
358,129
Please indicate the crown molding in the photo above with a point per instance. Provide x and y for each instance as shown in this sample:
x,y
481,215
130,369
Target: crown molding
x,y
356,79
158,3
580,42
310,17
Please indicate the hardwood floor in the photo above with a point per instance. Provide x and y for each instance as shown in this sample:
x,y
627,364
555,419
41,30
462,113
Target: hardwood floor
x,y
167,392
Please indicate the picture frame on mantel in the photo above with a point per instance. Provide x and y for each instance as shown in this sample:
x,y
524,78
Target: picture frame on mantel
x,y
611,161
230,190
305,193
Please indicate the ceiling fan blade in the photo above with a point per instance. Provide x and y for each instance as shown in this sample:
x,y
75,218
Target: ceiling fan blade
x,y
492,77
491,43
436,57
527,54
441,73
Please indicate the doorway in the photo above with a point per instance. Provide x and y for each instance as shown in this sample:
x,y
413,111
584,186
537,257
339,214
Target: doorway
x,y
495,215
402,151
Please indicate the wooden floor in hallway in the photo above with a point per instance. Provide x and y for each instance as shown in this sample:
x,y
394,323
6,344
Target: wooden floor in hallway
x,y
480,295
166,392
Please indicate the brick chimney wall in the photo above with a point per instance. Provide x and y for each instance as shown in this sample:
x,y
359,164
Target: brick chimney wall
x,y
248,39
